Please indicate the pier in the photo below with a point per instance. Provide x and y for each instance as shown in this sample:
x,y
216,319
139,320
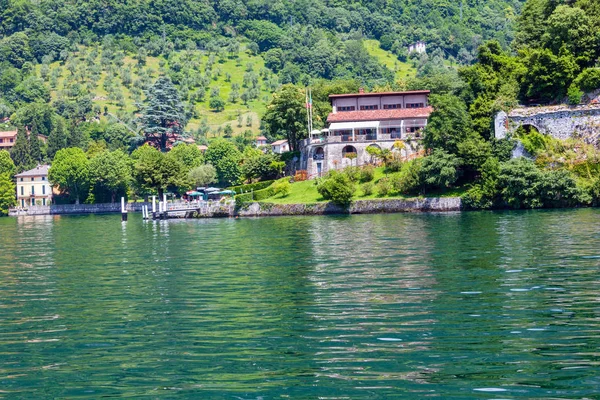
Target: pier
x,y
192,209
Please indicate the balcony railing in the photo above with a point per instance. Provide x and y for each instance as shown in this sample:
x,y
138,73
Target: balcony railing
x,y
365,138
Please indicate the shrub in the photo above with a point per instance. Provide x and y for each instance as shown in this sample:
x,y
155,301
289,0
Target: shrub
x,y
524,185
384,187
394,165
367,188
282,187
337,188
367,173
574,94
353,173
408,180
588,80
439,170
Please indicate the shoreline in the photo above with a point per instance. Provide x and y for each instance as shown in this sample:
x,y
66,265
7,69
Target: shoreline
x,y
383,206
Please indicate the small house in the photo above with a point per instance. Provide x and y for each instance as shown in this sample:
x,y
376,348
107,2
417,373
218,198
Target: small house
x,y
419,48
280,147
261,141
7,140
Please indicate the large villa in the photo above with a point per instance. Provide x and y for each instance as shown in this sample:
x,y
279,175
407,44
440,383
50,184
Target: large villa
x,y
360,120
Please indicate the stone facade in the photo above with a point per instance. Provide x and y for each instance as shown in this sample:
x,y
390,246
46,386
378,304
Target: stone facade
x,y
560,122
319,158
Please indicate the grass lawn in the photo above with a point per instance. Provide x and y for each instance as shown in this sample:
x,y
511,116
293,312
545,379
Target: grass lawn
x,y
401,69
306,192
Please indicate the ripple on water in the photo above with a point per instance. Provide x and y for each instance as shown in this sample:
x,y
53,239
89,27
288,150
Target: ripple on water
x,y
373,306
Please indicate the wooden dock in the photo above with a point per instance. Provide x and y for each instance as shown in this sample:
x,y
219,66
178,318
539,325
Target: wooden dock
x,y
195,209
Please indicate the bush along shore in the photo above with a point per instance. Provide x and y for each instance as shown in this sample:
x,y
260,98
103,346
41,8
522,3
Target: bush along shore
x,y
429,184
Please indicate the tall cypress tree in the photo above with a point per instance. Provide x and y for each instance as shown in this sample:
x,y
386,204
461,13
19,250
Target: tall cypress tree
x,y
75,137
20,153
35,148
57,139
164,116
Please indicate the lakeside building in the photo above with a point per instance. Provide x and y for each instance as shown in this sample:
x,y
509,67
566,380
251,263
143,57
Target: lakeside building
x,y
360,120
33,187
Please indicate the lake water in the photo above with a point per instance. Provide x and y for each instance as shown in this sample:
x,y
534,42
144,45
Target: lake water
x,y
453,306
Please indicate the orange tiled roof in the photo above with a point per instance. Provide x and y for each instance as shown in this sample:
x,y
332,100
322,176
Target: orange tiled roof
x,y
379,115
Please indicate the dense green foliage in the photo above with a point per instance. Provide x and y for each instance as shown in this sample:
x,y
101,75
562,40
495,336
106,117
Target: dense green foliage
x,y
337,187
100,79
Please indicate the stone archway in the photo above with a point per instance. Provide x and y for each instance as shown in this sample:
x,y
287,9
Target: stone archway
x,y
349,150
319,153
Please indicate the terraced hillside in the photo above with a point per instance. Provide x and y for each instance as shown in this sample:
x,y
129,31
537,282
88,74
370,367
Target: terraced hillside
x,y
116,83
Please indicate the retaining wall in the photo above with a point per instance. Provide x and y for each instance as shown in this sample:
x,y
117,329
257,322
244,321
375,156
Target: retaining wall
x,y
357,207
65,209
560,122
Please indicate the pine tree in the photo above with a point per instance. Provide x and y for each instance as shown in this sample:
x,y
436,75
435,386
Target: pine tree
x,y
35,148
57,139
20,153
164,118
75,137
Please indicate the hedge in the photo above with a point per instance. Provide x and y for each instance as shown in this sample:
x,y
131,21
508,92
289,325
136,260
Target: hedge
x,y
251,187
258,195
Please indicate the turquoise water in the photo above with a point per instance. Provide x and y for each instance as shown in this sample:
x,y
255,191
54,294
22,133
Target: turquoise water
x,y
454,306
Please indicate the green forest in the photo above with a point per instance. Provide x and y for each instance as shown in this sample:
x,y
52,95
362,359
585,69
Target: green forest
x,y
90,79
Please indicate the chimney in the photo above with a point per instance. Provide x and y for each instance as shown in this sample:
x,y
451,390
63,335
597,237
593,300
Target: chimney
x,y
361,90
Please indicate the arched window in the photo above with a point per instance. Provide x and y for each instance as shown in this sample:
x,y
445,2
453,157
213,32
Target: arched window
x,y
349,150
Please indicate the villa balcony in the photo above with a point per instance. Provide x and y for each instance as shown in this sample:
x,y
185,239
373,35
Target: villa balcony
x,y
364,138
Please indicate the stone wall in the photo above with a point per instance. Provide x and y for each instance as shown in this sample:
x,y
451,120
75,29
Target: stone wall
x,y
560,122
358,207
64,209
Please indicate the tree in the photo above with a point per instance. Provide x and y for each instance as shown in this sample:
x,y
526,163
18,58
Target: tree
x,y
286,116
188,155
163,119
439,170
57,139
337,187
7,165
7,193
155,171
259,166
448,125
202,175
20,152
35,147
225,157
217,104
70,172
110,172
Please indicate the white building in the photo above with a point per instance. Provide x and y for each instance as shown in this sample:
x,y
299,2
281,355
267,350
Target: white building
x,y
419,47
360,120
280,147
33,187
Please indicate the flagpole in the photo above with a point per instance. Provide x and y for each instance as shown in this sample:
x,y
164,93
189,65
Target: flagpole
x,y
307,113
310,109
